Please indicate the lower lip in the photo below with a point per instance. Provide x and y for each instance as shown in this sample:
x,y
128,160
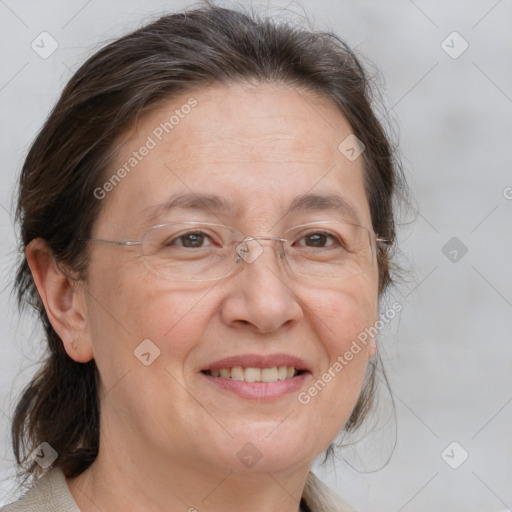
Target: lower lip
x,y
259,390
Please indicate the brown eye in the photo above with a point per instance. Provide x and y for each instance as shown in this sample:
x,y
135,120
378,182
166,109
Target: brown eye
x,y
192,240
318,240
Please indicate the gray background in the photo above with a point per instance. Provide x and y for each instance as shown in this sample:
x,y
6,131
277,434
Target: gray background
x,y
449,355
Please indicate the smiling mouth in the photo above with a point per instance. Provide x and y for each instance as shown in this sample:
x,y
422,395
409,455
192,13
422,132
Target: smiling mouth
x,y
251,374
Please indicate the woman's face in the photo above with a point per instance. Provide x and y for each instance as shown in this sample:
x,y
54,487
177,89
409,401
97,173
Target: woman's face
x,y
257,150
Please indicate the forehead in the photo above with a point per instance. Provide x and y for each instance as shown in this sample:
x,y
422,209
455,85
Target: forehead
x,y
260,147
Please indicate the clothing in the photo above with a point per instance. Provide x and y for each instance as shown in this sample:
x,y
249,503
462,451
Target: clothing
x,y
51,494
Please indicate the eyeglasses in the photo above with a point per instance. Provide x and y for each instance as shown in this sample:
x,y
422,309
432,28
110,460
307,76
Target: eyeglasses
x,y
190,251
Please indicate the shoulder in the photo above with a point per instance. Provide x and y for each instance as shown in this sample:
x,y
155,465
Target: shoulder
x,y
49,494
320,498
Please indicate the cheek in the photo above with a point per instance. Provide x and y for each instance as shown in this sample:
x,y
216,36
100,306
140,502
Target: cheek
x,y
341,319
173,320
343,314
130,307
127,305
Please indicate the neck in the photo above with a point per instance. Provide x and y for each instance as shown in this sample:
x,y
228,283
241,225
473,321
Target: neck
x,y
123,479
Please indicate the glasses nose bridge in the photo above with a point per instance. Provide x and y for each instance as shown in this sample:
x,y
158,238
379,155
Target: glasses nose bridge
x,y
249,249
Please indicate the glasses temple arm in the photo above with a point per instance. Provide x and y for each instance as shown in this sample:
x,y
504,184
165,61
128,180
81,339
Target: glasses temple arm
x,y
112,242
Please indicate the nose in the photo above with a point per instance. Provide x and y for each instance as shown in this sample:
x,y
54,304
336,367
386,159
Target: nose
x,y
262,295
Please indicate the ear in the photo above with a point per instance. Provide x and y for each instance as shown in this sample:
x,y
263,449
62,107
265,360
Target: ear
x,y
63,301
372,349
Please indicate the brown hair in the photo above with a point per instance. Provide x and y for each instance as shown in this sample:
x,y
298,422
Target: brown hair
x,y
74,148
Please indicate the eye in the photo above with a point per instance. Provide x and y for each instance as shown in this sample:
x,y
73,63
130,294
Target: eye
x,y
191,240
319,239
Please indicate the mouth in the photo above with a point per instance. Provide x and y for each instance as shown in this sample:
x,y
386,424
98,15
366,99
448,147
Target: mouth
x,y
252,374
257,377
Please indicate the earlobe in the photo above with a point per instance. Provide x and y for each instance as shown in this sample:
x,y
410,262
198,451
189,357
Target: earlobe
x,y
60,298
80,352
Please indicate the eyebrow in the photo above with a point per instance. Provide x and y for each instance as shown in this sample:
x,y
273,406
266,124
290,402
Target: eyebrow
x,y
205,202
219,205
323,202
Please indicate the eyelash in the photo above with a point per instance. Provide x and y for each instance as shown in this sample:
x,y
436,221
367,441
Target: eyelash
x,y
335,239
303,236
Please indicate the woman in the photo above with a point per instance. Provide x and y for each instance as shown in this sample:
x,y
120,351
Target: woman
x,y
206,222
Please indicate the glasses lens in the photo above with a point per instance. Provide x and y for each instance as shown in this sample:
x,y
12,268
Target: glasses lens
x,y
330,250
190,251
204,252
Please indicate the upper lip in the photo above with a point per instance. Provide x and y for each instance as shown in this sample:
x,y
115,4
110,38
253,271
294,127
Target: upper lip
x,y
258,361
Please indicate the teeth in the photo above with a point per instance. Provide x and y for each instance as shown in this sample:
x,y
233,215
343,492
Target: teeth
x,y
269,374
237,373
272,374
252,375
